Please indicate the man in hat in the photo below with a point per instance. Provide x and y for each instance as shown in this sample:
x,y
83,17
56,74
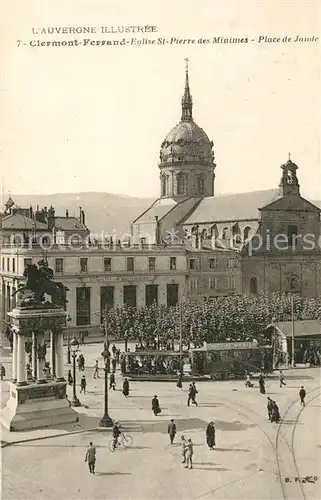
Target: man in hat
x,y
171,430
91,457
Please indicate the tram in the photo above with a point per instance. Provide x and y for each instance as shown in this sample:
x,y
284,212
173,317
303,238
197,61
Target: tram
x,y
150,365
230,360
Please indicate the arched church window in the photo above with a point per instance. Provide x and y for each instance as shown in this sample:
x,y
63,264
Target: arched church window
x,y
181,184
225,233
246,232
201,185
204,234
163,185
253,285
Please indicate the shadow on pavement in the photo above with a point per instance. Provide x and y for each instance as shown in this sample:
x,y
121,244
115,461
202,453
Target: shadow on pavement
x,y
231,449
232,426
113,474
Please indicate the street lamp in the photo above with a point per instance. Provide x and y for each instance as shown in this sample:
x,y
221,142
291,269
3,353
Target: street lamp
x,y
68,340
74,346
106,421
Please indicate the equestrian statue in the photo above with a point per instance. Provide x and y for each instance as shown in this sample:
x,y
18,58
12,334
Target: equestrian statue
x,y
39,281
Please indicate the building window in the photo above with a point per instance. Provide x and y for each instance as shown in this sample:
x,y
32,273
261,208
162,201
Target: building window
x,y
192,264
13,265
106,299
164,186
193,284
172,263
2,263
27,262
231,262
212,283
130,263
231,282
130,295
107,264
83,265
151,263
172,294
59,265
181,188
292,236
246,232
201,185
213,263
83,305
225,233
151,295
253,285
8,264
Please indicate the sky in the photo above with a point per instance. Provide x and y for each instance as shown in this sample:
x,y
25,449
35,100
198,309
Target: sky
x,y
92,118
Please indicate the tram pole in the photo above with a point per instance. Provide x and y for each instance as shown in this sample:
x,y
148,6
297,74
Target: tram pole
x,y
106,421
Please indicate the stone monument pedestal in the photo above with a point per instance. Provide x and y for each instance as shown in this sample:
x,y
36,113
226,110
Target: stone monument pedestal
x,y
34,406
40,401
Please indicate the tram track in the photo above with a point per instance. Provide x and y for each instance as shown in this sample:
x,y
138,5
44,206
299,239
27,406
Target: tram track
x,y
275,445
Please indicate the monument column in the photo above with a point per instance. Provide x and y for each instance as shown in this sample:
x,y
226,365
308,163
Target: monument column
x,y
21,360
14,355
41,357
59,355
53,353
34,355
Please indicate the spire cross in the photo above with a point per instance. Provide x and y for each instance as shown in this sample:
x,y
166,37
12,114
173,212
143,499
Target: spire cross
x,y
289,156
186,63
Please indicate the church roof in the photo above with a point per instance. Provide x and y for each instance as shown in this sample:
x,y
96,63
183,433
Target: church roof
x,y
241,206
21,222
159,209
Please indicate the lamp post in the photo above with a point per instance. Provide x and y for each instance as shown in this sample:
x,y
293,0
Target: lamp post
x,y
106,421
292,336
74,346
68,341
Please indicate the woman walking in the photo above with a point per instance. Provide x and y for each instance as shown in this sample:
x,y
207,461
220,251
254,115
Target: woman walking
x,y
126,388
261,384
179,384
210,435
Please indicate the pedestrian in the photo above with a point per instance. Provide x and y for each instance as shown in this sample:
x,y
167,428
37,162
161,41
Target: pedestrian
x,y
155,406
113,363
91,457
281,378
302,395
126,388
275,414
210,435
113,349
96,370
261,384
171,430
248,382
69,377
189,454
81,339
183,449
192,394
2,371
179,384
83,384
269,407
112,382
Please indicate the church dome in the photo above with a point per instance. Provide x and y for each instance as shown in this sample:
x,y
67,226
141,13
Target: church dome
x,y
187,142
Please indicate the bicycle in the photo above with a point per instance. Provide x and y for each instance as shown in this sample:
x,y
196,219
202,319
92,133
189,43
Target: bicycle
x,y
124,440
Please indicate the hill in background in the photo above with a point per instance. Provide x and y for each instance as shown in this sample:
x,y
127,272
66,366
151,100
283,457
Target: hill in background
x,y
104,211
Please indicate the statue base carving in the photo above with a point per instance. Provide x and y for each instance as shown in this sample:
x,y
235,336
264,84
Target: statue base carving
x,y
33,407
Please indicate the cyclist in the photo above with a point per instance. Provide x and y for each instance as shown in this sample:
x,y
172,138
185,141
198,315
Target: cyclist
x,y
116,434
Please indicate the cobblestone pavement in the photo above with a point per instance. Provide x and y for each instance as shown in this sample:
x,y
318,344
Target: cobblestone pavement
x,y
250,457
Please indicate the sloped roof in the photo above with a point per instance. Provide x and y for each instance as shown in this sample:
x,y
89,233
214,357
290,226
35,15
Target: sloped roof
x,y
241,206
69,224
232,206
305,327
21,222
159,209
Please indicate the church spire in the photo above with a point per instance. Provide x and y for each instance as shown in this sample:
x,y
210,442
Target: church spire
x,y
187,102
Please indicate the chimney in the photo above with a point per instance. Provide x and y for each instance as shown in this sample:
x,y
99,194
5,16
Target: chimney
x,y
67,213
83,217
80,210
30,212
